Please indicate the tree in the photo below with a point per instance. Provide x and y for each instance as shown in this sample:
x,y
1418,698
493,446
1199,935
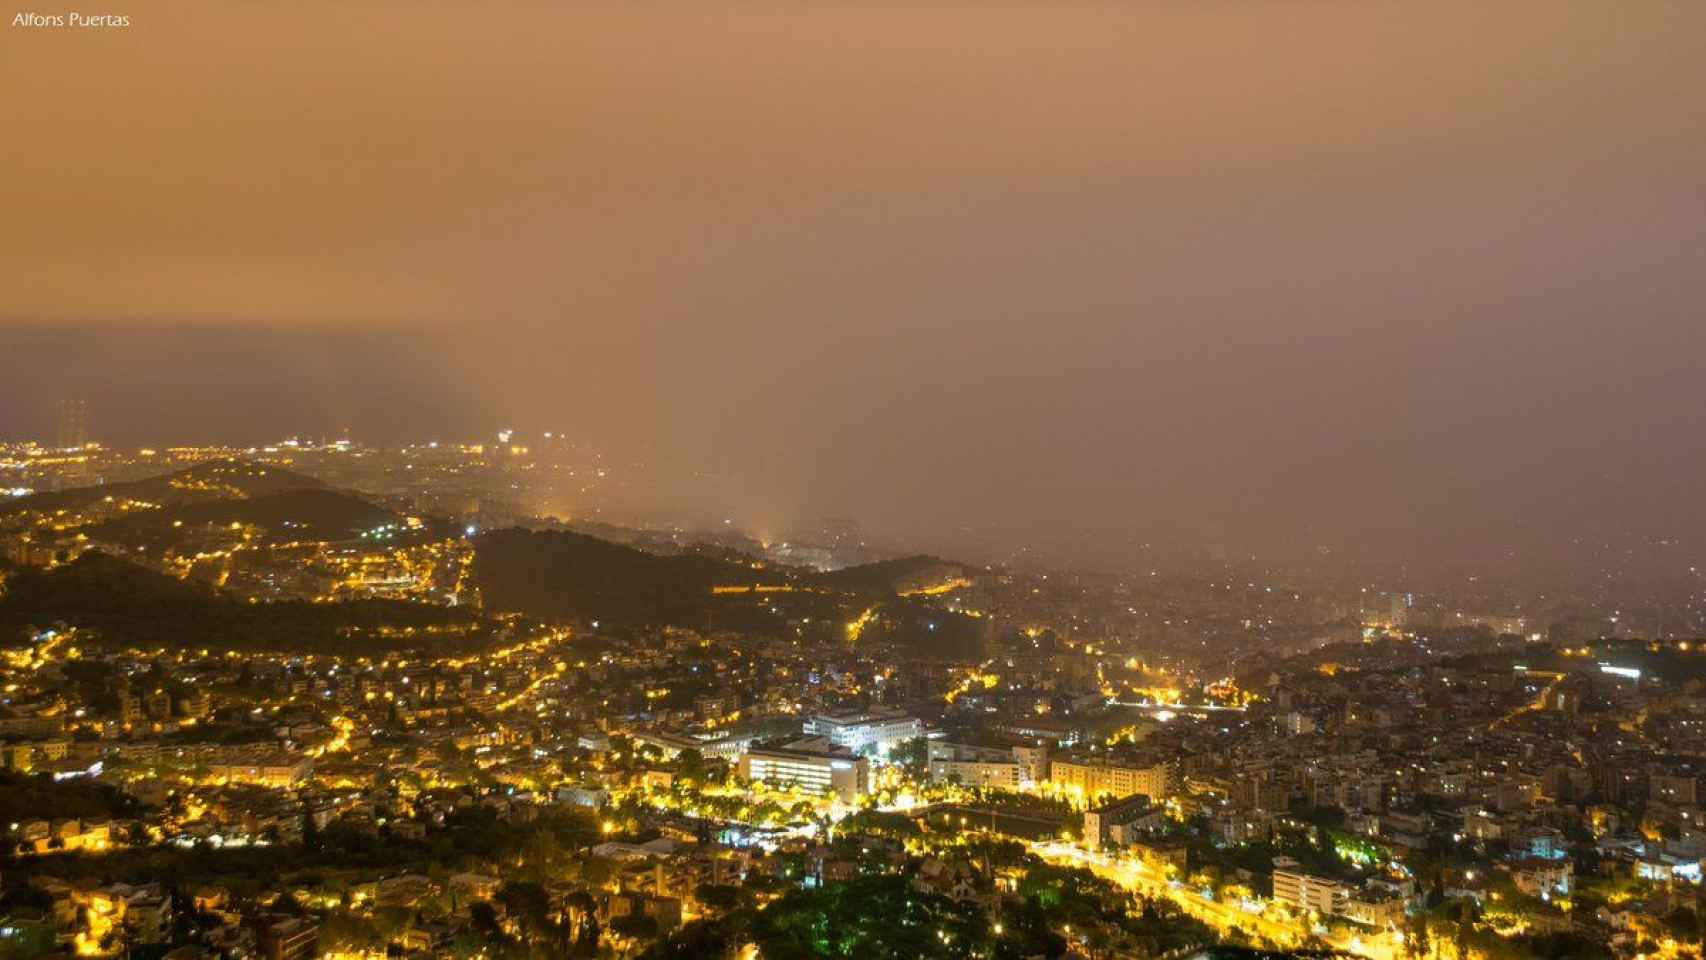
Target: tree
x,y
578,935
310,829
586,944
1683,924
913,756
483,917
690,766
1416,936
720,897
530,905
597,871
635,926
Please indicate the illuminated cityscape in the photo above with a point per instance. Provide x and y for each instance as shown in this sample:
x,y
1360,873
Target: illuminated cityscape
x,y
332,699
799,480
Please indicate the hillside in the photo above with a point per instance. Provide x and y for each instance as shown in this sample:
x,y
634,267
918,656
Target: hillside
x,y
213,480
305,514
922,626
569,575
920,573
131,605
561,574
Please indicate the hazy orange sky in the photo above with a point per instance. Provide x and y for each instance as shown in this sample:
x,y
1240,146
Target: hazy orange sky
x,y
1426,275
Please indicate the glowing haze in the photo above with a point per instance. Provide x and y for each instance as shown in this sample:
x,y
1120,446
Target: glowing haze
x,y
1399,279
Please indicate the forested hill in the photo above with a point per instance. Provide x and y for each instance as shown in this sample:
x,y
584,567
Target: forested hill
x,y
885,578
213,480
129,605
561,574
307,514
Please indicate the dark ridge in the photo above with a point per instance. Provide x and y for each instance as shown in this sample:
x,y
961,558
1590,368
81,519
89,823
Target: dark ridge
x,y
570,575
889,577
124,604
304,514
213,480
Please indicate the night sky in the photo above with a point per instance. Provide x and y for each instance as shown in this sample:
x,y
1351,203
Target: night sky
x,y
1405,279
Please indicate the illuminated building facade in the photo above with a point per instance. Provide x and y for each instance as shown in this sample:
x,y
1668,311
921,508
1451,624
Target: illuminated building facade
x,y
823,770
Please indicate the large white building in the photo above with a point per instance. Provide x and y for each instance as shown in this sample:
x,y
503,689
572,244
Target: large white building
x,y
869,732
975,766
811,764
1094,777
672,744
1303,891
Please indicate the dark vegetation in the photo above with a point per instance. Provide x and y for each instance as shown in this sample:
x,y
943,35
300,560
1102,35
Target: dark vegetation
x,y
884,916
879,916
128,605
558,574
574,576
1666,663
469,837
881,579
29,796
923,626
212,480
307,514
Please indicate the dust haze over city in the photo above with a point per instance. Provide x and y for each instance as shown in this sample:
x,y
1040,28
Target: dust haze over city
x,y
1406,285
977,332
